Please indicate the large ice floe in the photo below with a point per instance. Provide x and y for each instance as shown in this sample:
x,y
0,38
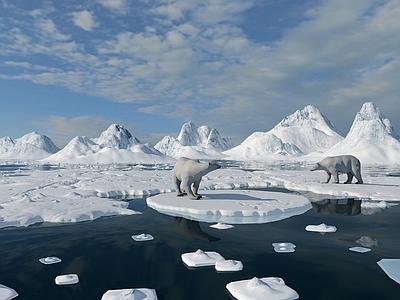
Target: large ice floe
x,y
130,294
234,207
271,288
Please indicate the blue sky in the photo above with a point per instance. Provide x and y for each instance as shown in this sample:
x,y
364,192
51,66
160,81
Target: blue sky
x,y
71,68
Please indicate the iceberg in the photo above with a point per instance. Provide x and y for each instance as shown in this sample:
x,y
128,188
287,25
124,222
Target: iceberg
x,y
142,237
130,294
284,247
201,258
271,288
67,279
229,265
221,226
50,260
321,228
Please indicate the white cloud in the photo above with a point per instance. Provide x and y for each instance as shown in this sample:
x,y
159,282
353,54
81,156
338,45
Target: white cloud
x,y
84,19
115,5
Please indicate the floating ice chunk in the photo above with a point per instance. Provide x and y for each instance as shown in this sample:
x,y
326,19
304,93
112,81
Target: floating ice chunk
x,y
201,258
130,294
7,293
228,265
391,267
284,247
359,249
220,225
67,279
321,228
50,260
143,237
271,288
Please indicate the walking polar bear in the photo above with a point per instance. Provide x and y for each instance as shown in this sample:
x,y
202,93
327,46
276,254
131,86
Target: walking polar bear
x,y
334,165
188,174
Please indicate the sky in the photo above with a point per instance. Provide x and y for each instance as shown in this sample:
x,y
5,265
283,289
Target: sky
x,y
71,68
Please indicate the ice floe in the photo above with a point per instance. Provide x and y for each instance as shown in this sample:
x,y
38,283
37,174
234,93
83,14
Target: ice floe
x,y
67,279
284,247
271,288
234,207
142,237
229,265
7,293
50,260
321,228
360,249
391,267
130,294
79,193
221,226
201,258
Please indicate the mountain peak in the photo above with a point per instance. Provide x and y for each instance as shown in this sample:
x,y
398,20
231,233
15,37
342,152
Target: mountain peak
x,y
308,116
116,136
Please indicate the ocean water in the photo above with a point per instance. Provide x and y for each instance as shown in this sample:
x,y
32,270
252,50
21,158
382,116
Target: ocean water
x,y
105,257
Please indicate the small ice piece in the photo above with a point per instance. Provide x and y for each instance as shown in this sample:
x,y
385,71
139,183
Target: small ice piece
x,y
201,258
67,279
130,294
7,293
391,267
143,237
228,265
284,247
271,288
368,241
321,228
360,249
220,225
50,260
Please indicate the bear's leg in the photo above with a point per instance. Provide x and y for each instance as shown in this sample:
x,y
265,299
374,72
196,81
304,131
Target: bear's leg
x,y
188,189
328,177
177,184
358,176
349,178
335,177
195,187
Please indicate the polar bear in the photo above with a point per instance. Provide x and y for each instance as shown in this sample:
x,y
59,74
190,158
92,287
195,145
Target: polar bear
x,y
334,165
189,172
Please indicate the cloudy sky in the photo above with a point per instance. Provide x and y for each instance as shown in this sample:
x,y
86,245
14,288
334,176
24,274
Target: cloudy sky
x,y
71,68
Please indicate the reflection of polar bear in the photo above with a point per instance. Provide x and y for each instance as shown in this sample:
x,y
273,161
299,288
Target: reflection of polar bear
x,y
340,164
189,172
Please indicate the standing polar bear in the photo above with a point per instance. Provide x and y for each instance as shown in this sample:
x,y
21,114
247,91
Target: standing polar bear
x,y
334,165
188,173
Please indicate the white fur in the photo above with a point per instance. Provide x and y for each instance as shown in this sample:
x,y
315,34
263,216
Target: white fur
x,y
188,173
334,165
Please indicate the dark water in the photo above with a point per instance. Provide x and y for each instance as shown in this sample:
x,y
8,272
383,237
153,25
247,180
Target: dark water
x,y
105,256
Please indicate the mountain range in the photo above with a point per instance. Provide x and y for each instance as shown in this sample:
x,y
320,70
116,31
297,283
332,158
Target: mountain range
x,y
304,135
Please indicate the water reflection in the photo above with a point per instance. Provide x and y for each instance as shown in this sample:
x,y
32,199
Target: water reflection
x,y
342,207
191,229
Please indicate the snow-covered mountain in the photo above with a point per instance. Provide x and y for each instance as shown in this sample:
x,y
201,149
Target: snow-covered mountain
x,y
263,146
114,145
308,129
371,138
29,146
195,142
302,132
